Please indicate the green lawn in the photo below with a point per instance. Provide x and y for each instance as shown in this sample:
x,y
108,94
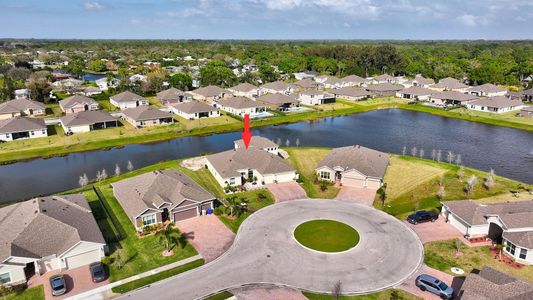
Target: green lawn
x,y
414,184
133,285
34,293
384,295
305,160
380,101
326,235
442,255
223,120
255,202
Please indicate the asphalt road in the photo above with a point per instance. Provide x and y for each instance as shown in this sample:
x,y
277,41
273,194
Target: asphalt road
x,y
265,252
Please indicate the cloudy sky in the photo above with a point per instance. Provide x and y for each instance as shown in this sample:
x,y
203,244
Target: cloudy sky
x,y
267,19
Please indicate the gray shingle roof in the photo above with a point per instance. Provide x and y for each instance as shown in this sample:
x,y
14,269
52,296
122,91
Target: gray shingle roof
x,y
497,102
18,105
277,99
20,124
351,92
88,117
240,103
150,190
384,87
487,88
210,91
76,100
279,86
518,213
384,77
522,238
307,83
257,142
141,113
367,161
418,91
45,226
449,84
171,94
229,162
244,87
354,79
490,283
127,96
454,96
192,107
423,81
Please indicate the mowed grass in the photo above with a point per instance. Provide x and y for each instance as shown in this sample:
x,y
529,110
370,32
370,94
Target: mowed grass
x,y
442,255
383,295
326,235
381,101
255,200
508,116
305,161
206,122
332,106
414,190
34,293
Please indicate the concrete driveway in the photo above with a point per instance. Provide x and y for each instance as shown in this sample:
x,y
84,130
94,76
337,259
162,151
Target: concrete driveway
x,y
208,235
409,284
363,196
268,292
286,191
435,231
265,252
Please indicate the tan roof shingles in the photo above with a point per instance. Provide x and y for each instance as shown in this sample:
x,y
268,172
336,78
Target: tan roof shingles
x,y
497,102
20,124
88,117
127,96
171,94
192,107
277,99
240,103
76,100
141,113
367,161
18,105
244,87
490,283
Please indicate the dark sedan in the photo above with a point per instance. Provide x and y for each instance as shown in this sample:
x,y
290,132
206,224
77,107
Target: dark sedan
x,y
422,216
97,272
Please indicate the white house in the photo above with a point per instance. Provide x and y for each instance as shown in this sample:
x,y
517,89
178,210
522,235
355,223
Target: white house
x,y
509,223
78,103
245,90
415,93
241,106
47,234
354,166
85,121
449,84
499,104
146,116
194,110
486,90
22,128
127,99
276,87
313,97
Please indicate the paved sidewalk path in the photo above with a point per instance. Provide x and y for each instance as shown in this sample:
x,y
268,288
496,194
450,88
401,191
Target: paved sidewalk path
x,y
103,291
268,292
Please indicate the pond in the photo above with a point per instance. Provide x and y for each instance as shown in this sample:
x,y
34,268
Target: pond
x,y
508,151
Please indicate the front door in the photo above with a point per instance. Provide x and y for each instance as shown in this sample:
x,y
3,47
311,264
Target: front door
x,y
338,175
165,215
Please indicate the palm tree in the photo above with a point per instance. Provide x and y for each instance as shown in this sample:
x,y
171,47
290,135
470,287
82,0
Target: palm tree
x,y
235,207
169,237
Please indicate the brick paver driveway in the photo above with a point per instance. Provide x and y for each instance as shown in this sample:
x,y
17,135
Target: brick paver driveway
x,y
268,292
363,196
286,191
435,231
409,284
78,281
209,236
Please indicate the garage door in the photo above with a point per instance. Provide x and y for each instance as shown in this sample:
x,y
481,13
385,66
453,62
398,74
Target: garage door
x,y
371,184
185,214
79,260
353,182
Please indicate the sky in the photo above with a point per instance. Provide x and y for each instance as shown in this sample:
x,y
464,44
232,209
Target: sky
x,y
267,19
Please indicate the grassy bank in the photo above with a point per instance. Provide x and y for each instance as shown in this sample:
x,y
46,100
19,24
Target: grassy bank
x,y
133,285
34,293
384,295
413,183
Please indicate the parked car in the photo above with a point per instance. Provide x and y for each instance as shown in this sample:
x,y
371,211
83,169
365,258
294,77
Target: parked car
x,y
422,216
97,272
58,284
433,285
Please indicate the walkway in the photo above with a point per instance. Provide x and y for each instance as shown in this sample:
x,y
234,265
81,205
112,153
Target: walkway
x,y
286,191
102,292
265,252
267,292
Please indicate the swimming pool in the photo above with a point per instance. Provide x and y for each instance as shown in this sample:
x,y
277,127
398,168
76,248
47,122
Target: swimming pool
x,y
261,115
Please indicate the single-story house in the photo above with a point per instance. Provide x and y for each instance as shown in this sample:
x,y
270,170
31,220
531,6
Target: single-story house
x,y
305,74
449,84
210,93
146,116
127,99
415,93
91,91
307,84
351,93
160,196
278,101
332,82
194,110
245,90
528,95
354,80
384,89
85,121
508,223
314,97
451,98
354,166
238,166
77,103
486,90
420,81
171,96
384,78
21,107
22,128
104,84
276,87
258,142
46,234
526,112
241,105
499,104
490,283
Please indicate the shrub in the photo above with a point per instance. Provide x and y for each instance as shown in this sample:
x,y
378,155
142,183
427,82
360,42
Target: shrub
x,y
323,186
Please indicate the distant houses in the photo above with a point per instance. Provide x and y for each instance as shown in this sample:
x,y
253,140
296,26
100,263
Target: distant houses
x,y
315,97
172,96
77,103
279,87
210,94
451,98
127,99
449,84
245,90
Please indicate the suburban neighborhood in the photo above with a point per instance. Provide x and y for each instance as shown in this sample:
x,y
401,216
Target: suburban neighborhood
x,y
283,150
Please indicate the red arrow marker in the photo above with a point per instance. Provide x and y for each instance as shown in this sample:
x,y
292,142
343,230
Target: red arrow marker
x,y
246,134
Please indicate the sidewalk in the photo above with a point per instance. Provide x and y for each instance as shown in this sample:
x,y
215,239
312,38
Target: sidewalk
x,y
103,291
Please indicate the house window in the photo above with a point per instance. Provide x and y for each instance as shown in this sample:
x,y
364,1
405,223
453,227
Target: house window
x,y
324,175
33,133
523,253
232,181
44,131
510,247
149,220
5,278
